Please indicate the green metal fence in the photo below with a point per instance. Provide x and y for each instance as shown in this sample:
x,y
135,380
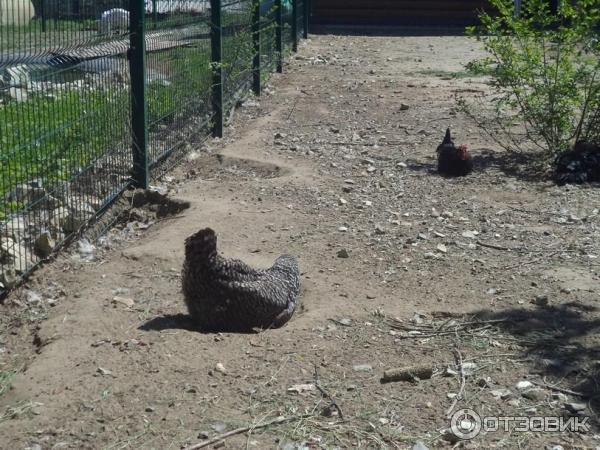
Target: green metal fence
x,y
100,95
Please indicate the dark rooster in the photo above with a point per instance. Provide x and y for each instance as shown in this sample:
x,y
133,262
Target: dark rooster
x,y
453,161
228,295
580,165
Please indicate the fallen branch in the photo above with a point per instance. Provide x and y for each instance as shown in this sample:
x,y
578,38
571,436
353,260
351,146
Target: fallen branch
x,y
413,373
494,246
459,363
277,421
558,389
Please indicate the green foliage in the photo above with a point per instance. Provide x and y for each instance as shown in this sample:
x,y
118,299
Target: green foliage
x,y
57,136
545,71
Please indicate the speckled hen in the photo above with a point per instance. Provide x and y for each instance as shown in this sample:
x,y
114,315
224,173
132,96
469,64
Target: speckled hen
x,y
228,295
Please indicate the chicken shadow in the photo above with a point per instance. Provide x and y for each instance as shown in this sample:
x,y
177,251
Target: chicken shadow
x,y
561,345
170,322
516,165
184,322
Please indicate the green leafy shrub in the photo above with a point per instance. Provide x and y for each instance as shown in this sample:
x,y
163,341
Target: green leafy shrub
x,y
544,68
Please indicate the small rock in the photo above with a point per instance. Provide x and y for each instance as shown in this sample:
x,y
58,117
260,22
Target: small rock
x,y
450,372
103,371
44,244
379,229
447,214
442,248
33,298
469,368
501,393
404,107
342,201
371,296
343,229
368,203
449,436
468,234
220,368
343,253
149,409
575,407
300,388
86,250
522,385
363,368
534,394
125,301
541,300
219,427
402,165
484,382
514,402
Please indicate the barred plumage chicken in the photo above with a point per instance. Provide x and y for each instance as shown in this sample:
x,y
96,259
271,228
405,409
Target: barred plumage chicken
x,y
453,161
580,165
228,295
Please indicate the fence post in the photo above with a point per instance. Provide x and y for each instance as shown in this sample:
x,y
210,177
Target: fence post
x,y
295,25
279,35
256,31
154,13
139,108
43,14
306,11
216,44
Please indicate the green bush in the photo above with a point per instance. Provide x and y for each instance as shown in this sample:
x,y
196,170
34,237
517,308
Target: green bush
x,y
544,68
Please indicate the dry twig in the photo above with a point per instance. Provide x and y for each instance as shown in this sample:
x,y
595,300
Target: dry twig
x,y
327,395
222,437
459,362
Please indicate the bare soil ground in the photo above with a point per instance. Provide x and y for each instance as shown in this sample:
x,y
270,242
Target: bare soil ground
x,y
492,281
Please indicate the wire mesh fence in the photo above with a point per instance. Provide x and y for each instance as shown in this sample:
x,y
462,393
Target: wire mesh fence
x,y
100,95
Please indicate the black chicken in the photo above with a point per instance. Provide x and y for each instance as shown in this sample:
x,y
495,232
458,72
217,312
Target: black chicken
x,y
453,161
580,165
228,295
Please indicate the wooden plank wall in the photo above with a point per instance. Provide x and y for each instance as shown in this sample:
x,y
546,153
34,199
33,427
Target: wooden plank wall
x,y
402,12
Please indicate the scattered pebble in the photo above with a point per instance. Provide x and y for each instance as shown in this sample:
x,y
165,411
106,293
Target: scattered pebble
x,y
363,368
343,253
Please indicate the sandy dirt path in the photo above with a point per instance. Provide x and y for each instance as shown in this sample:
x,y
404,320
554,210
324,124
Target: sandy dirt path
x,y
335,164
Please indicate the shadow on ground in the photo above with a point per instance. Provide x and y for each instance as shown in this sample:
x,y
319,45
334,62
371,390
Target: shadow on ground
x,y
182,322
524,167
561,343
344,29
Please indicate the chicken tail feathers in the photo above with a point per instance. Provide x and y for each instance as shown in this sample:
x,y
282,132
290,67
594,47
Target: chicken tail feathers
x,y
447,138
202,245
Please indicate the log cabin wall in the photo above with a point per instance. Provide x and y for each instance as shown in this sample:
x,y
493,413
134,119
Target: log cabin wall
x,y
398,12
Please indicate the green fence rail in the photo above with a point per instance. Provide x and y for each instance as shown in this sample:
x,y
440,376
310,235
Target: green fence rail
x,y
97,96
